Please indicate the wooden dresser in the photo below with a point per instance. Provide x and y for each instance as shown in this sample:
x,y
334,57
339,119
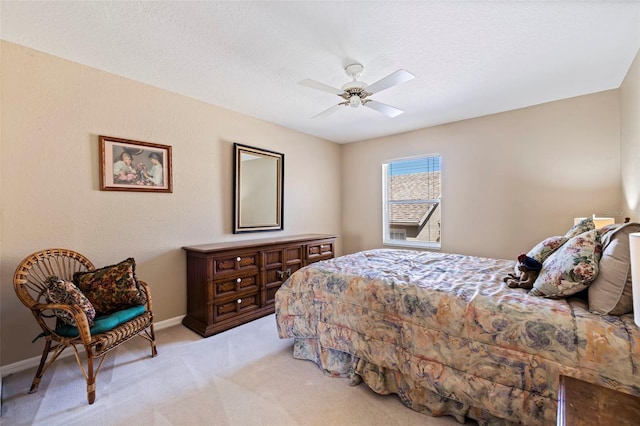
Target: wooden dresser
x,y
232,283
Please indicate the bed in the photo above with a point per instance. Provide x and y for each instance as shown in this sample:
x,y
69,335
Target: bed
x,y
444,333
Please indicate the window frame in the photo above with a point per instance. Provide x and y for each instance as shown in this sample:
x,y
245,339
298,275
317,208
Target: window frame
x,y
386,226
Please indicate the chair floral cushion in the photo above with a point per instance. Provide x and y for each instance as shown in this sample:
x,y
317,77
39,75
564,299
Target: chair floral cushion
x,y
111,288
571,268
66,292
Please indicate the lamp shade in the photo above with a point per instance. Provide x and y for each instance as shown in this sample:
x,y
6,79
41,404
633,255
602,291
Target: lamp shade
x,y
634,249
599,222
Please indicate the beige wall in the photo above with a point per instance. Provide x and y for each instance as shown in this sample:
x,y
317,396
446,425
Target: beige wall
x,y
52,113
508,180
630,138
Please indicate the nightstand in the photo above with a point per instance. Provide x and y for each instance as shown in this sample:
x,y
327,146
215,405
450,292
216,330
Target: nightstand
x,y
583,403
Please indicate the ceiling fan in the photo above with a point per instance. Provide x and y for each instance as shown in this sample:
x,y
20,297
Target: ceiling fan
x,y
356,93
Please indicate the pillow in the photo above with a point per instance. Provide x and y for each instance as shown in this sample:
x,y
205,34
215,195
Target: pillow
x,y
60,291
111,288
571,268
611,292
609,228
581,227
104,323
546,247
542,250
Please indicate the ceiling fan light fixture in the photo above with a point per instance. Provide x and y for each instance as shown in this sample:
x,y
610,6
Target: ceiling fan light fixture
x,y
355,93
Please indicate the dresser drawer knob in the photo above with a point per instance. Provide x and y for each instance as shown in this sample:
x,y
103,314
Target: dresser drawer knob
x,y
238,259
239,300
239,280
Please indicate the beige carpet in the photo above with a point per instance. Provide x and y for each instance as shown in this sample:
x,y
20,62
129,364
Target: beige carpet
x,y
244,376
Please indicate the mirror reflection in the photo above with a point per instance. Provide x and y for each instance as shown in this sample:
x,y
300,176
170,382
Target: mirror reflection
x,y
258,184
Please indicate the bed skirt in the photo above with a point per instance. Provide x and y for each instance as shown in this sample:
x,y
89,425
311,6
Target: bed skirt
x,y
385,381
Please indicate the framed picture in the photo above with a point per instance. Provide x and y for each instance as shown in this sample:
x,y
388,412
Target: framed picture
x,y
127,165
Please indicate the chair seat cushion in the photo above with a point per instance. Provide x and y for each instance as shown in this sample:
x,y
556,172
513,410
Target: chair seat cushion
x,y
104,323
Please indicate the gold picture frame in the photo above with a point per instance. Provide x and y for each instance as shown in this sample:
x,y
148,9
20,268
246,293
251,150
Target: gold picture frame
x,y
128,165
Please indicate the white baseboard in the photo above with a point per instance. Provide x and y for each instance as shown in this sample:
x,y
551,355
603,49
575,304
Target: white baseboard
x,y
168,323
26,364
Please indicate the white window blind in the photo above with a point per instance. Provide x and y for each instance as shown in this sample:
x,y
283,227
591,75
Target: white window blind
x,y
412,202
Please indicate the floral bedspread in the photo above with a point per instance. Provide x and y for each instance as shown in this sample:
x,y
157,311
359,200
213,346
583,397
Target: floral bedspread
x,y
449,337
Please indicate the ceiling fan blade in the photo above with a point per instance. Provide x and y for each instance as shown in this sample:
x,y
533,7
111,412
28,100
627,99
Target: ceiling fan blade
x,y
387,110
320,86
328,111
392,79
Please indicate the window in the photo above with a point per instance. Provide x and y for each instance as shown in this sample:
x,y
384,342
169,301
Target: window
x,y
411,202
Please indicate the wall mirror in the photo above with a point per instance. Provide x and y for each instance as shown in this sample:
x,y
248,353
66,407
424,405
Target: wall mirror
x,y
258,189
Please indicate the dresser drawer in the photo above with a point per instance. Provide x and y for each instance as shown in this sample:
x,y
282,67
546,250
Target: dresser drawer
x,y
242,263
229,287
283,257
320,251
241,305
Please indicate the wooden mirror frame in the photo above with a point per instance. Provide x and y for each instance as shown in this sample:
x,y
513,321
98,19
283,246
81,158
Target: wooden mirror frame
x,y
258,196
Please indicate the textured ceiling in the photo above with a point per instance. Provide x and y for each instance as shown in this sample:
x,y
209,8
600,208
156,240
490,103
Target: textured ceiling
x,y
469,58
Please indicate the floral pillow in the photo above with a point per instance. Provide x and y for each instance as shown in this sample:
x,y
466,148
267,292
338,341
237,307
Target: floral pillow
x,y
581,227
542,250
546,247
571,268
112,288
60,291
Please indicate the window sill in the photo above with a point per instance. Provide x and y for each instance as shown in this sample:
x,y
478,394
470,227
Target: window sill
x,y
413,245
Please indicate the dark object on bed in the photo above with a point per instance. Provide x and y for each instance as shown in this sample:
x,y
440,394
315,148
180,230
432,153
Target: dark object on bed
x,y
528,269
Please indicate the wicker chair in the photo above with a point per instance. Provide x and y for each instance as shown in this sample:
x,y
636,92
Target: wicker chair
x,y
29,283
